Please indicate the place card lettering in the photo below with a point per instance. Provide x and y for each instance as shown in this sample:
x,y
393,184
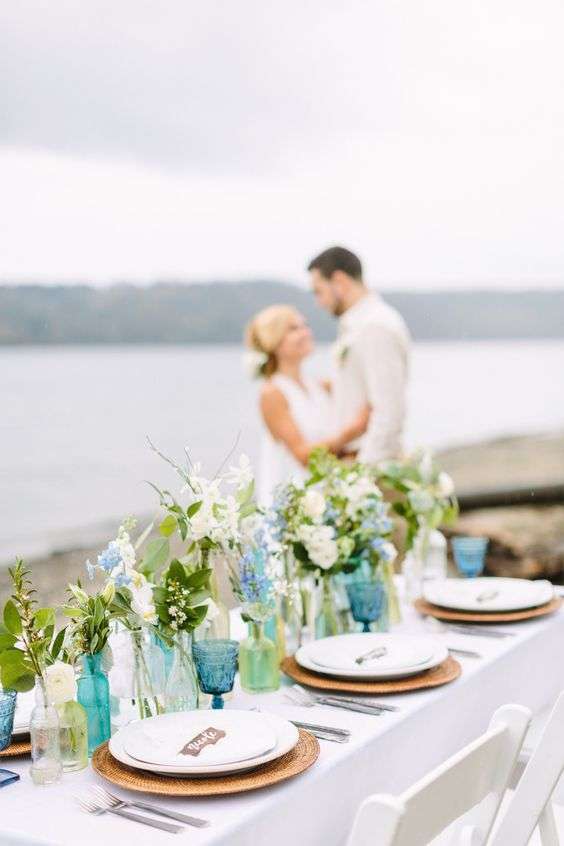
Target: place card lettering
x,y
208,737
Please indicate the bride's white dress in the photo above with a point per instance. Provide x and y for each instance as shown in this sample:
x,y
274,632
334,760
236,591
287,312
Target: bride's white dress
x,y
311,410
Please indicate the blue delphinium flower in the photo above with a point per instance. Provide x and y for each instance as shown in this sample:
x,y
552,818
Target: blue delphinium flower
x,y
110,558
122,580
255,584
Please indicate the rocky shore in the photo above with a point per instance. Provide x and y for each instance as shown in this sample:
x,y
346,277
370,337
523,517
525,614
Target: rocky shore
x,y
525,540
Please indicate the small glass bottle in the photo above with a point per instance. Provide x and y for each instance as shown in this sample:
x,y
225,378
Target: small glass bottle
x,y
73,735
258,662
181,689
46,766
94,696
327,622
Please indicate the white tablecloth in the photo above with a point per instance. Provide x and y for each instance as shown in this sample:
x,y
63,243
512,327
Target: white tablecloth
x,y
385,754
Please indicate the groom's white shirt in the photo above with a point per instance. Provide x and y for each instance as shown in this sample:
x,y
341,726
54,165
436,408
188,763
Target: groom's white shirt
x,y
372,359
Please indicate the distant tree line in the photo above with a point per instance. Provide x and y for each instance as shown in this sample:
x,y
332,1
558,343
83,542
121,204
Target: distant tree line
x,y
217,312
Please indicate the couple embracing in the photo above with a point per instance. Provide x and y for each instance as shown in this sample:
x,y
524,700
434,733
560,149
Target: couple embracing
x,y
360,412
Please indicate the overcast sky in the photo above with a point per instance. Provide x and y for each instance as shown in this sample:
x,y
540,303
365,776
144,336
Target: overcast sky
x,y
236,139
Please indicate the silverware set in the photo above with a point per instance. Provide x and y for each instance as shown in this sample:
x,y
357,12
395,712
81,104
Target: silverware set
x,y
336,735
300,696
473,629
103,802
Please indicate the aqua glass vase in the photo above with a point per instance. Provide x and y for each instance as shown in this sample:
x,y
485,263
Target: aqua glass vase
x,y
327,621
258,661
94,696
73,735
7,711
216,665
181,688
367,600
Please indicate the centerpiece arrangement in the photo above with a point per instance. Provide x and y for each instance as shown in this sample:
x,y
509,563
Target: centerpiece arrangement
x,y
336,524
425,500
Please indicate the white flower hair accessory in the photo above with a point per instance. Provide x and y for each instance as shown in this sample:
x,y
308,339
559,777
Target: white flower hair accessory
x,y
254,362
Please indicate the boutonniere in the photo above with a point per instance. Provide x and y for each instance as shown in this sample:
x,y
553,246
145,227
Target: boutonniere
x,y
341,349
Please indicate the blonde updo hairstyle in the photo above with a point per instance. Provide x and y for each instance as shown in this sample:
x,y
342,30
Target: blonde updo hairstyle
x,y
265,332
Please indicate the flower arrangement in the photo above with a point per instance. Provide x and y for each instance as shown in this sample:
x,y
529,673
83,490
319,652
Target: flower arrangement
x,y
336,520
427,500
28,643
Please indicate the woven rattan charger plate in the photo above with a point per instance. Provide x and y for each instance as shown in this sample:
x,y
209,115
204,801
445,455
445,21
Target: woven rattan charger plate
x,y
299,759
446,672
16,748
451,614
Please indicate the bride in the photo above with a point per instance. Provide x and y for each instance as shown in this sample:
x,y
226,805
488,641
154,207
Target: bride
x,y
296,410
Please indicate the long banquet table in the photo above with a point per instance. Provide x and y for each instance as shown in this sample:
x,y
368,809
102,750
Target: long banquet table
x,y
385,754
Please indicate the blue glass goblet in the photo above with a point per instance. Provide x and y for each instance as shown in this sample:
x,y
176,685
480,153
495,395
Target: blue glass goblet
x,y
216,665
367,601
469,555
7,710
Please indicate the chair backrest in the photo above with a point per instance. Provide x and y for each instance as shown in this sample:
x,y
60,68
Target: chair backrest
x,y
473,779
532,795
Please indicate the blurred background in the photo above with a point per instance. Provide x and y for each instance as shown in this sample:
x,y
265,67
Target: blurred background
x,y
167,171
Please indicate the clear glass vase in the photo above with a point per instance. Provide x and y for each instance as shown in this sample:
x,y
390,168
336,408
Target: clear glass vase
x,y
216,625
137,677
181,688
414,565
291,606
94,696
46,765
327,620
258,661
73,735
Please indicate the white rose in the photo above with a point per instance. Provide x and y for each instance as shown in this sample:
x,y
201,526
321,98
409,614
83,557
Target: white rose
x,y
313,504
60,683
324,555
388,551
445,485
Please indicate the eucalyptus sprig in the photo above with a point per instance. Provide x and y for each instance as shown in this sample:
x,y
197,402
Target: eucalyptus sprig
x,y
28,643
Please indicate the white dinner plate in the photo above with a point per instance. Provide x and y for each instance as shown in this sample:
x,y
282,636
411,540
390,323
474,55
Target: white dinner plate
x,y
340,652
474,594
427,644
287,736
199,738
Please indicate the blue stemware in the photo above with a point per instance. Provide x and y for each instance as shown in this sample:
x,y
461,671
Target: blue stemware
x,y
367,601
7,711
470,555
216,665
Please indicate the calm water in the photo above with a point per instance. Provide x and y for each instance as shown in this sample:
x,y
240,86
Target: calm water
x,y
74,420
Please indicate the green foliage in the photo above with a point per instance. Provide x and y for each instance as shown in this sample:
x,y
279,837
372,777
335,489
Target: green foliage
x,y
156,555
91,617
179,597
28,642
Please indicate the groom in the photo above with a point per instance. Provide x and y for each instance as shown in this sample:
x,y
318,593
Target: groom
x,y
372,353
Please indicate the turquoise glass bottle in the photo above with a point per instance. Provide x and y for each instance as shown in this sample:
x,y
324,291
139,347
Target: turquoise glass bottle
x,y
94,696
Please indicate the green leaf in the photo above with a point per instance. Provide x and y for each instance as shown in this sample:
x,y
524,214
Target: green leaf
x,y
177,572
301,553
199,579
57,644
198,596
12,619
193,509
17,678
11,657
168,526
6,641
156,555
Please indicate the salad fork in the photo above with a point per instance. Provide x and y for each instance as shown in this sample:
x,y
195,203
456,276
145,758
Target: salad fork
x,y
108,799
91,807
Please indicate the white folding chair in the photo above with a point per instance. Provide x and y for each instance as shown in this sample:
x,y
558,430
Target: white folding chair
x,y
470,784
530,805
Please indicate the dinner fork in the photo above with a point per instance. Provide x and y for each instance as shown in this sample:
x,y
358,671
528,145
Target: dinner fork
x,y
308,701
108,799
337,697
91,807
